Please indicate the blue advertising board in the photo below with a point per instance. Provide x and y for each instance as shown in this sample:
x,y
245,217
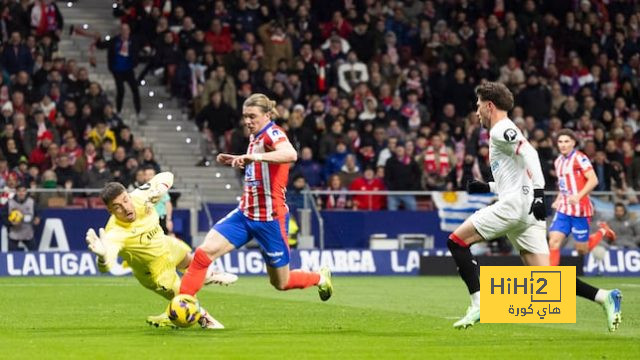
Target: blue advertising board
x,y
65,229
352,229
250,262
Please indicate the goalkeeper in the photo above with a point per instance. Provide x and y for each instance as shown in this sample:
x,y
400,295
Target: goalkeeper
x,y
133,232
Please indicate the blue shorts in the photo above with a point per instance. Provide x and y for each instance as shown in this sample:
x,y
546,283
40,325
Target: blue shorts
x,y
578,226
272,235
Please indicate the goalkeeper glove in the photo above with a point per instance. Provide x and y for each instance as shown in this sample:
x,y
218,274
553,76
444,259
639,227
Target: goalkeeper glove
x,y
477,187
95,243
538,208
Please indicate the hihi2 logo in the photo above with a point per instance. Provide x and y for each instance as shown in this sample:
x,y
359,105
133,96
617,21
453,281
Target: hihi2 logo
x,y
527,294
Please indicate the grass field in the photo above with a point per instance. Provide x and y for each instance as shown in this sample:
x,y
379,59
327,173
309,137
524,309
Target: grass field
x,y
368,317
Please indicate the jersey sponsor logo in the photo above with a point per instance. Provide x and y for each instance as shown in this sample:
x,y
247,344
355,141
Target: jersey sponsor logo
x,y
253,183
578,231
275,132
249,172
510,135
494,166
562,185
149,234
274,254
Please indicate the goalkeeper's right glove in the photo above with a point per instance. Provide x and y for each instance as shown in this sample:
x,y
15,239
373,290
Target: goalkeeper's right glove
x,y
95,243
478,187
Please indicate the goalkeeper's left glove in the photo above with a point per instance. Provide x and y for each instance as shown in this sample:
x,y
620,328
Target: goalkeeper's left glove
x,y
538,209
95,243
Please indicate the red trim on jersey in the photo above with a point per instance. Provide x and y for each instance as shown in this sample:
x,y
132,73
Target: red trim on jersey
x,y
519,146
571,171
265,183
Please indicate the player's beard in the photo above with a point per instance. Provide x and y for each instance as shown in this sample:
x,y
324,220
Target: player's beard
x,y
484,121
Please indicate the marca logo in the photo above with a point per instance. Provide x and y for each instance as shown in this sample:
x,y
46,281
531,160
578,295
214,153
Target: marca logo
x,y
342,261
528,294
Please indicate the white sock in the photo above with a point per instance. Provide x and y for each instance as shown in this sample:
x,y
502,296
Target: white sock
x,y
322,280
475,299
601,296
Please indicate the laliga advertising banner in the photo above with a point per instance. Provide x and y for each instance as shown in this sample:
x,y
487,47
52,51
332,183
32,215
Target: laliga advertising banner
x,y
250,262
244,262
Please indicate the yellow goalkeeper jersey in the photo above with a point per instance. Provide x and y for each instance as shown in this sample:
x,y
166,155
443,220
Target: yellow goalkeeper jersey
x,y
141,243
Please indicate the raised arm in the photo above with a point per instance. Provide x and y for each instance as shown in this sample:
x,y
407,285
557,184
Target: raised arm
x,y
105,249
155,189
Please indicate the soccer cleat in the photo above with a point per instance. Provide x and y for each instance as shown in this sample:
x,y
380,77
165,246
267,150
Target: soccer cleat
x,y
470,318
161,320
219,278
607,231
207,321
612,307
325,290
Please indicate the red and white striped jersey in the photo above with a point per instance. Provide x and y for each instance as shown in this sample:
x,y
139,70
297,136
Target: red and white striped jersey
x,y
265,184
570,171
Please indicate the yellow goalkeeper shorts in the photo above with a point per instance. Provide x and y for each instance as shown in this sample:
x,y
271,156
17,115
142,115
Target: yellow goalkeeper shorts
x,y
160,275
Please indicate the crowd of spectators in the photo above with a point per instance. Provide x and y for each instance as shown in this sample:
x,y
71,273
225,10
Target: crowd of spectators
x,y
58,129
380,94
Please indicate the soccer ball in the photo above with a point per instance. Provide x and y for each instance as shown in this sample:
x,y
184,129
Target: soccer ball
x,y
15,216
184,310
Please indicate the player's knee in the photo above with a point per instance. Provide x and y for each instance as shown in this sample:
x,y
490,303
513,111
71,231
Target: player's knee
x,y
278,284
582,250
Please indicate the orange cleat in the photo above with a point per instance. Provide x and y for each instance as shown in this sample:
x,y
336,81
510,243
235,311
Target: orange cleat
x,y
607,231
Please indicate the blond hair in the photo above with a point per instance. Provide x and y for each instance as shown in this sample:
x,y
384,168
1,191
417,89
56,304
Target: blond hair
x,y
264,103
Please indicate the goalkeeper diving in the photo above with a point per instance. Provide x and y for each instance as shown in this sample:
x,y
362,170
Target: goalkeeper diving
x,y
133,232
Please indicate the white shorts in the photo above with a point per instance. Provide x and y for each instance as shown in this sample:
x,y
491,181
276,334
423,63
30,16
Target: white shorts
x,y
513,221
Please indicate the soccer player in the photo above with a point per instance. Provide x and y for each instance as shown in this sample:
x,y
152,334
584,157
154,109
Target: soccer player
x,y
576,179
519,212
133,232
262,213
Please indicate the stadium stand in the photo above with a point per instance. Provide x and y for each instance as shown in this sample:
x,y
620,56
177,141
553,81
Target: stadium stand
x,y
381,75
377,79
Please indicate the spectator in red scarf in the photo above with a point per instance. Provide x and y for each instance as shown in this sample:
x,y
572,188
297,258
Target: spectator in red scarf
x,y
438,160
46,19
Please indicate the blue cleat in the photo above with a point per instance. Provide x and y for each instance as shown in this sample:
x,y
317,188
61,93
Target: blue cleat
x,y
613,309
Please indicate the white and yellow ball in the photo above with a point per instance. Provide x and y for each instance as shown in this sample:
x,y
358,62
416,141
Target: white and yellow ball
x,y
184,310
15,216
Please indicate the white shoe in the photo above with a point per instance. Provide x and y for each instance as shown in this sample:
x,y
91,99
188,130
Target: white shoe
x,y
219,278
470,318
207,321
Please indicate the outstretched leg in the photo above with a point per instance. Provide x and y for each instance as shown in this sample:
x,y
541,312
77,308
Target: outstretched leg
x,y
458,244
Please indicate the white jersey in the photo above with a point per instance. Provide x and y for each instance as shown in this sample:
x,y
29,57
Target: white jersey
x,y
511,168
517,172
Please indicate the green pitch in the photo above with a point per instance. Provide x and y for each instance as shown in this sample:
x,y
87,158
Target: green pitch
x,y
368,317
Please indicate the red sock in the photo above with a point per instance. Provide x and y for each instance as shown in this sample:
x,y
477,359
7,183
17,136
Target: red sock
x,y
594,239
554,257
194,277
299,279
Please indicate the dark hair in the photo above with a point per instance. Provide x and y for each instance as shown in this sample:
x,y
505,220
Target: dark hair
x,y
569,133
619,204
111,191
497,93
